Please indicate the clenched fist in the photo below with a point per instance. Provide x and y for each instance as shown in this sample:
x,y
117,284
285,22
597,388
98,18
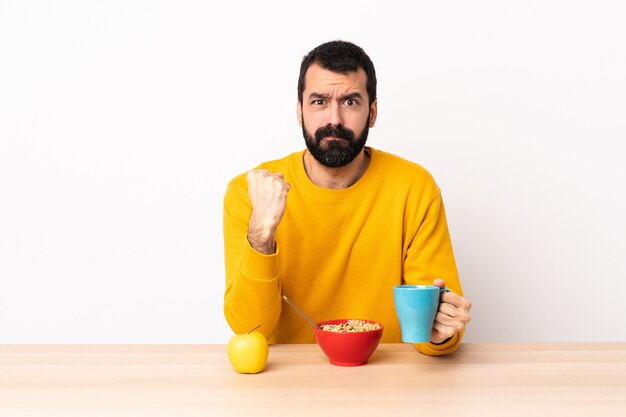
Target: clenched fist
x,y
268,196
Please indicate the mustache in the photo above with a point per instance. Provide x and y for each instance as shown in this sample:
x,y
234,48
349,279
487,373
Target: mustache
x,y
334,131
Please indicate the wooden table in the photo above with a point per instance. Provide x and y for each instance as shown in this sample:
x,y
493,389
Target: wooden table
x,y
579,379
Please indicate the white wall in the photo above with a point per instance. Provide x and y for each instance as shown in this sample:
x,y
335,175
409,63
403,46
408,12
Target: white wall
x,y
121,123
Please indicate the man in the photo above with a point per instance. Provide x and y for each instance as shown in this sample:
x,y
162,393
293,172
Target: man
x,y
336,226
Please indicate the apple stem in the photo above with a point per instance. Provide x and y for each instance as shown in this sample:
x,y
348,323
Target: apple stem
x,y
254,329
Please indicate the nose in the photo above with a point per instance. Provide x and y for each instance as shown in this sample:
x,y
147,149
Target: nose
x,y
335,117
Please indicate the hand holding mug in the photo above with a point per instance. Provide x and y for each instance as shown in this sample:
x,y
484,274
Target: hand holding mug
x,y
452,317
430,312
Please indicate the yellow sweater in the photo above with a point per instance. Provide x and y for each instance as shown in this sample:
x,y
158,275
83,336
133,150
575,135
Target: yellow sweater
x,y
339,252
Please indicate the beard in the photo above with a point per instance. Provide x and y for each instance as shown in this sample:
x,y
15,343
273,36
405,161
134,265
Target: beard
x,y
335,153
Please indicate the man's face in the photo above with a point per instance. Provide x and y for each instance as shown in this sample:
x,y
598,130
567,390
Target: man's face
x,y
335,115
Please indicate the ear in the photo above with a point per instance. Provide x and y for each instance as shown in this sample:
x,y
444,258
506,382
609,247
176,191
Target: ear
x,y
373,112
299,112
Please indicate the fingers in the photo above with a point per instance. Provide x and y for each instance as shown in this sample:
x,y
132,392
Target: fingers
x,y
439,283
260,174
456,300
448,314
453,313
444,332
452,298
447,325
451,319
266,182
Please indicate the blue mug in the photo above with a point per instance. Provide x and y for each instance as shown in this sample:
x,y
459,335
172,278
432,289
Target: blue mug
x,y
416,307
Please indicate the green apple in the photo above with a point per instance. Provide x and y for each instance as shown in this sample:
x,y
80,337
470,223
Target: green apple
x,y
248,352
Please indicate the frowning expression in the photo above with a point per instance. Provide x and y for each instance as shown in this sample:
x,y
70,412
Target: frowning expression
x,y
335,114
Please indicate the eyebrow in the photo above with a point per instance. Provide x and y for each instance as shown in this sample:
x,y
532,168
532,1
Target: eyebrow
x,y
316,96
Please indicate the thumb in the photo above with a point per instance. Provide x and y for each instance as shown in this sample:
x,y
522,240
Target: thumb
x,y
439,283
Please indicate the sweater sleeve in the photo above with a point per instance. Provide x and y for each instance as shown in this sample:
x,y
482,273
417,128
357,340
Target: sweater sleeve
x,y
430,256
252,296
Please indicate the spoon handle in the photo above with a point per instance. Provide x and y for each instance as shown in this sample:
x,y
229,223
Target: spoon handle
x,y
300,312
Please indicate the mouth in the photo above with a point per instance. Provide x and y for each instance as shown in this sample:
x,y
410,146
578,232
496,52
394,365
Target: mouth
x,y
332,139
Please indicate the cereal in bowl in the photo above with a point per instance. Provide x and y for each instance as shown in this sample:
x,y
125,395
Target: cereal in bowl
x,y
351,326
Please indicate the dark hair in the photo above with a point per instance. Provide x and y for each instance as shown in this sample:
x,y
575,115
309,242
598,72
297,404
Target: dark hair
x,y
339,56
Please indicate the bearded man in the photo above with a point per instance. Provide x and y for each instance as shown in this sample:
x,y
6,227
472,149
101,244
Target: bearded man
x,y
336,226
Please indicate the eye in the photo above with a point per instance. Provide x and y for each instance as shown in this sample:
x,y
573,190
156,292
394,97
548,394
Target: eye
x,y
351,102
318,102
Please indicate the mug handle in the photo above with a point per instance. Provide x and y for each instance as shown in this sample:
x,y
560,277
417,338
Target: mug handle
x,y
441,291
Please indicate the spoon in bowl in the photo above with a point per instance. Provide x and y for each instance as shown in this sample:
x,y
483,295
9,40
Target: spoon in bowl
x,y
300,312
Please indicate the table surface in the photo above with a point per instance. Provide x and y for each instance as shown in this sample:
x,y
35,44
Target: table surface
x,y
555,379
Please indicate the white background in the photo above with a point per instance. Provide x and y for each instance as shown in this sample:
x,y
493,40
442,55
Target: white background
x,y
122,122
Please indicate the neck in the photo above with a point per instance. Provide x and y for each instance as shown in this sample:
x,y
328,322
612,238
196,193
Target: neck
x,y
336,178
